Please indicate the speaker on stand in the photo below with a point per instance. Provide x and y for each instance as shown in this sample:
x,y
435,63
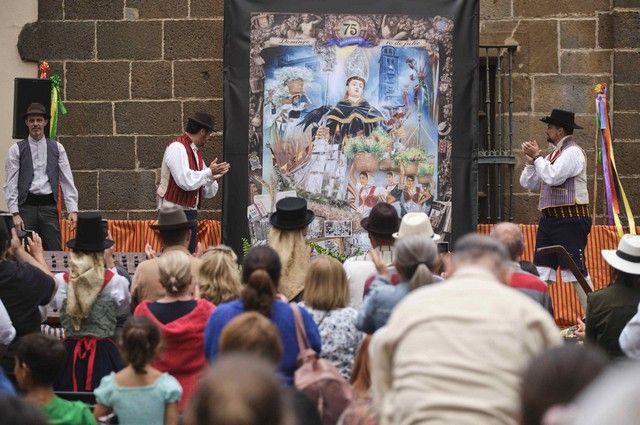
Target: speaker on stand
x,y
27,91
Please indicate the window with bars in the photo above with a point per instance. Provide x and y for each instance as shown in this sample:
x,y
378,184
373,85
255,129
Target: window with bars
x,y
495,151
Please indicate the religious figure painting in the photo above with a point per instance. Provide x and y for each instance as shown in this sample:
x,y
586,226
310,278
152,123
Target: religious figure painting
x,y
351,110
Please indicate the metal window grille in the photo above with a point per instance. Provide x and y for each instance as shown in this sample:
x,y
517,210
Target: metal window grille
x,y
495,151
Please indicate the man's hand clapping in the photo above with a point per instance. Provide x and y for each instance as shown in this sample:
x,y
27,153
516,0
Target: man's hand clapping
x,y
219,169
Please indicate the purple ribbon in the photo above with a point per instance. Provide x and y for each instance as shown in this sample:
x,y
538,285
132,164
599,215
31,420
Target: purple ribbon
x,y
605,160
349,41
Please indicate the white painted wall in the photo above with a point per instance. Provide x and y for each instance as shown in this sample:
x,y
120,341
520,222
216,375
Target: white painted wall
x,y
16,13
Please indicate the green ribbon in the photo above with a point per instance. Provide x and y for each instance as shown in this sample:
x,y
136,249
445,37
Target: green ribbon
x,y
57,107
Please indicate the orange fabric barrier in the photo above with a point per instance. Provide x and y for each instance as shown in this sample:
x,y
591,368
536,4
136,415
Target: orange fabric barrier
x,y
566,305
133,235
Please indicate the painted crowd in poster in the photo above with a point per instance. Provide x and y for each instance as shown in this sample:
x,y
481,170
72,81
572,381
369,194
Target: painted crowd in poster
x,y
348,111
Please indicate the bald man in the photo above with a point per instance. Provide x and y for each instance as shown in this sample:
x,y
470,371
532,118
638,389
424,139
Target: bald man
x,y
510,235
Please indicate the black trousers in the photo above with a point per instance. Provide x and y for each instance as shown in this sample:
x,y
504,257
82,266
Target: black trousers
x,y
43,219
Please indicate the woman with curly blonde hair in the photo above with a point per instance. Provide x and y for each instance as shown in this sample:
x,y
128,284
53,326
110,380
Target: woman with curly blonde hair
x,y
219,278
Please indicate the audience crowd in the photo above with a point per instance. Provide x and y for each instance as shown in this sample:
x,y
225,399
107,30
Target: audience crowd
x,y
403,334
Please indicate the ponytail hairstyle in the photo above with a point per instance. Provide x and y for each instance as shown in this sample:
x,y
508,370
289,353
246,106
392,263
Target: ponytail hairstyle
x,y
415,256
175,272
139,342
261,275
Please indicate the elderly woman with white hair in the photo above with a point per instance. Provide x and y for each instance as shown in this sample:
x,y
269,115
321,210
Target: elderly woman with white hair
x,y
415,256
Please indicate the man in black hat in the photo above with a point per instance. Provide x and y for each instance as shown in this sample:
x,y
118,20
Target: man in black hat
x,y
184,178
561,179
34,168
381,224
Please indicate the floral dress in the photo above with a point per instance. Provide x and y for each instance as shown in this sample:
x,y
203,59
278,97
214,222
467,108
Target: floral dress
x,y
339,335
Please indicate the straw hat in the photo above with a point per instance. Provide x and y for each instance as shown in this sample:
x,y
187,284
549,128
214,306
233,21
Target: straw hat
x,y
416,223
627,257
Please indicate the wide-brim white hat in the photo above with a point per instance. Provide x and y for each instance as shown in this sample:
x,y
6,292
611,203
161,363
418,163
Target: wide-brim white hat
x,y
627,257
416,223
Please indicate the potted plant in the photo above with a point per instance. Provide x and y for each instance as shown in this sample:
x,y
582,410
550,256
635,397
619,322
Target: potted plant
x,y
365,152
425,172
410,158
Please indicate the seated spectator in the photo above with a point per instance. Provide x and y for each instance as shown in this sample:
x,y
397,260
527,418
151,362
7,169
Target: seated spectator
x,y
238,390
261,274
181,320
15,410
609,309
454,352
90,298
39,360
7,333
554,378
361,410
219,277
510,235
25,284
326,296
174,232
139,393
415,223
252,333
414,256
288,227
381,224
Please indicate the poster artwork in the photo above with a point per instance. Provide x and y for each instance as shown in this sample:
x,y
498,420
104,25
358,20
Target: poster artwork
x,y
351,110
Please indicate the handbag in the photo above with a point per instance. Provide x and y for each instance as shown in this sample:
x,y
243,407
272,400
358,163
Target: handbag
x,y
318,378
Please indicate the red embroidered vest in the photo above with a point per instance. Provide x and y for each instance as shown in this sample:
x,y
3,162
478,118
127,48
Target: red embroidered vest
x,y
177,195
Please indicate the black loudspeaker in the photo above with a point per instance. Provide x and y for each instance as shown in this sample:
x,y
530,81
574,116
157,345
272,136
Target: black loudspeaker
x,y
25,92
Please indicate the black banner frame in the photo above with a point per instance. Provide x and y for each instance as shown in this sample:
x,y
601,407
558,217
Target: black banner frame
x,y
465,130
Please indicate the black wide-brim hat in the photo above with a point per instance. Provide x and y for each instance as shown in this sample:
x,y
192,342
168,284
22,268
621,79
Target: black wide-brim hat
x,y
36,109
291,214
561,118
204,119
90,234
383,220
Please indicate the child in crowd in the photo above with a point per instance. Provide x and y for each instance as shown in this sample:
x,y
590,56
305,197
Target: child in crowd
x,y
139,393
39,359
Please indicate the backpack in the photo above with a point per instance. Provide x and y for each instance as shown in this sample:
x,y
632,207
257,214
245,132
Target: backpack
x,y
319,379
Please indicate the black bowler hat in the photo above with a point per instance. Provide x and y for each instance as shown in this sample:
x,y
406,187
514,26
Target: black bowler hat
x,y
562,119
36,109
90,234
383,219
291,214
203,119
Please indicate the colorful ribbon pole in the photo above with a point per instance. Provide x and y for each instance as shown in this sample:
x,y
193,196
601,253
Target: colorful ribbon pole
x,y
614,192
57,107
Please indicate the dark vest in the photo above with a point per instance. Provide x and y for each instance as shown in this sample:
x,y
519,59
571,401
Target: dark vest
x,y
25,174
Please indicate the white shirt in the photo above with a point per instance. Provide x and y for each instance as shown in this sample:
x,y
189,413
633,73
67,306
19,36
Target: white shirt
x,y
7,331
359,268
176,164
118,288
630,337
569,164
40,184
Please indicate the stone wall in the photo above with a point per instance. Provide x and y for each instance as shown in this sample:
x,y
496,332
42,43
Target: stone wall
x,y
563,49
134,70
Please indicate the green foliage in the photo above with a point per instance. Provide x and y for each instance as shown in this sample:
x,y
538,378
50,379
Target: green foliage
x,y
425,168
359,144
328,252
246,246
410,155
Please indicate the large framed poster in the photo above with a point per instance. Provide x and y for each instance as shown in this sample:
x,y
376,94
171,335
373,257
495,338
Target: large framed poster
x,y
349,104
